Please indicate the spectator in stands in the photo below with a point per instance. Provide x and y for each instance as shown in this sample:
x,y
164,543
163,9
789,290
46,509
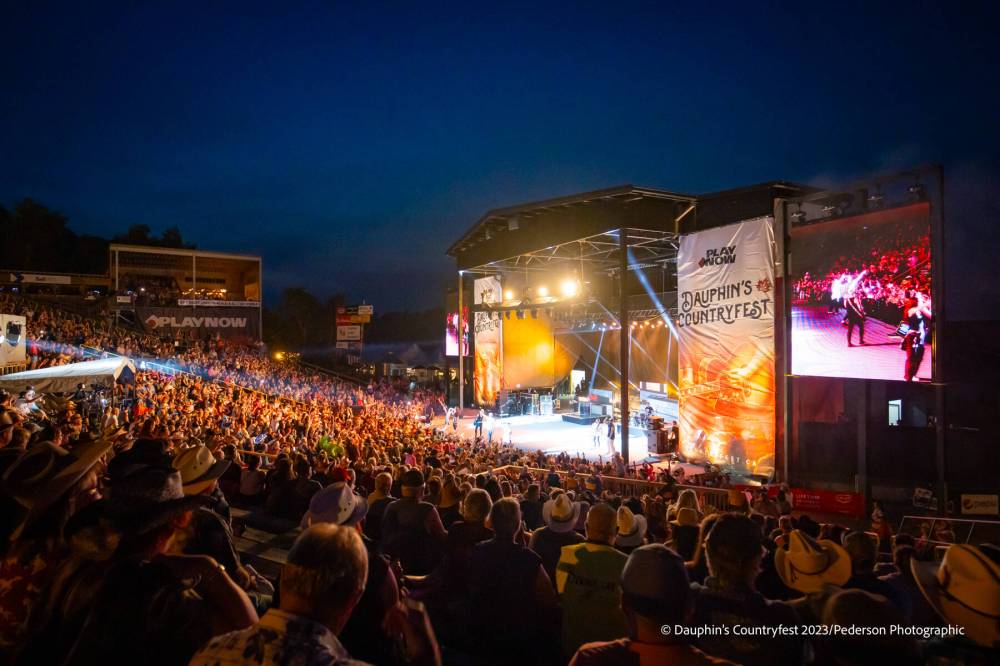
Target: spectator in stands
x,y
252,482
49,484
655,593
411,528
531,507
817,569
863,550
509,588
588,581
921,613
856,607
378,500
449,505
321,584
631,530
684,533
560,515
734,550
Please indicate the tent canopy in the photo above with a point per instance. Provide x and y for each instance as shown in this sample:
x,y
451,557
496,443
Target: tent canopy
x,y
64,378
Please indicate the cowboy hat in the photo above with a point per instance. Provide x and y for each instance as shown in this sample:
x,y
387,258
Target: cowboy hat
x,y
631,528
686,517
450,495
807,565
337,504
44,473
199,469
145,497
561,514
964,590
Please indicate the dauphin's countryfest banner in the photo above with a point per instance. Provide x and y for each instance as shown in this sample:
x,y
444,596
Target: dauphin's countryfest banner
x,y
726,335
488,375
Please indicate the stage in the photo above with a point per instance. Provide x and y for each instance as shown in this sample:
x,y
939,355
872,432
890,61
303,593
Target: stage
x,y
552,436
819,347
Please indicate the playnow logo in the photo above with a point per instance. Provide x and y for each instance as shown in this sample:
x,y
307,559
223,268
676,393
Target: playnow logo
x,y
196,322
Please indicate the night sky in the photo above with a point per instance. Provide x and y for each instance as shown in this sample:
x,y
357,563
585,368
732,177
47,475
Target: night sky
x,y
350,142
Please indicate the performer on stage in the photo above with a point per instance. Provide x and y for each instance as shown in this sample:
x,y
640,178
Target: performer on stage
x,y
598,429
490,425
855,316
478,423
673,438
611,436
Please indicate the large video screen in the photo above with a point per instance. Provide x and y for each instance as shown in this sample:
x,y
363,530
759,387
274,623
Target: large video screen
x,y
451,329
861,296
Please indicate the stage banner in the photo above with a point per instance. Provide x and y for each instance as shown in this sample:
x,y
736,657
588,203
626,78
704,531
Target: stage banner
x,y
489,342
487,291
725,325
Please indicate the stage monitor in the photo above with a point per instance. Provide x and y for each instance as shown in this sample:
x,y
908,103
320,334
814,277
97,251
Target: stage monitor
x,y
861,299
451,333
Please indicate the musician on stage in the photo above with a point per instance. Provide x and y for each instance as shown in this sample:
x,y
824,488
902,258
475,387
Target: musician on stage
x,y
917,314
673,438
478,423
598,429
611,436
855,316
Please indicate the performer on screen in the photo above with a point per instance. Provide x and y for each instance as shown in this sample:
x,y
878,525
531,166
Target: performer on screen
x,y
855,316
917,313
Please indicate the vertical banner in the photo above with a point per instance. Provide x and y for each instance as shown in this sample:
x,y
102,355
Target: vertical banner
x,y
487,291
726,335
489,370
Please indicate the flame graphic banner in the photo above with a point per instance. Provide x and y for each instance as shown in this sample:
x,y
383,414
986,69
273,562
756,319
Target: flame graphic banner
x,y
725,325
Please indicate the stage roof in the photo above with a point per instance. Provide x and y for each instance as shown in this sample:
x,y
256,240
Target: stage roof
x,y
580,227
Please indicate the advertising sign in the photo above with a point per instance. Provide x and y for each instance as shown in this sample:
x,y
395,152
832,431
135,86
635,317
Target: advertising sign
x,y
13,345
486,291
216,304
980,505
488,371
349,333
233,322
725,326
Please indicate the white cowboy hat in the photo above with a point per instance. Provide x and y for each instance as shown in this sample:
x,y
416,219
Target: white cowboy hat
x,y
337,504
199,469
561,514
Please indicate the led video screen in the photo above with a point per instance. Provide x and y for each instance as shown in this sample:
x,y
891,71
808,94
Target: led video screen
x,y
861,297
451,330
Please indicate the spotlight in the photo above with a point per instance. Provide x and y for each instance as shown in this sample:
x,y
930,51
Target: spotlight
x,y
543,291
520,314
799,215
509,295
507,314
570,288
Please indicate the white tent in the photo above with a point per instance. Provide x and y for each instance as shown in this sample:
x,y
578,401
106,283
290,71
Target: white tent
x,y
65,378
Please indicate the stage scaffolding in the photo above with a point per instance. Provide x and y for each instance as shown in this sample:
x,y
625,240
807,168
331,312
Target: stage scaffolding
x,y
618,231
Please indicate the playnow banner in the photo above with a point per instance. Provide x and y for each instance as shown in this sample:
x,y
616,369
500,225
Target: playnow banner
x,y
725,326
231,322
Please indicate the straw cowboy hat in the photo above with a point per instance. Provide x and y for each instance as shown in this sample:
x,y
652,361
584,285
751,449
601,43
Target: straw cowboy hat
x,y
631,528
807,565
199,469
561,514
44,473
686,517
337,504
964,590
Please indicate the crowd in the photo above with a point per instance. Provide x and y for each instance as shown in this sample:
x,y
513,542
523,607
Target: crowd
x,y
414,545
887,272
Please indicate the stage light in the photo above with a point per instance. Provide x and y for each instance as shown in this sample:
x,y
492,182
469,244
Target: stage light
x,y
520,314
570,288
543,291
508,314
509,294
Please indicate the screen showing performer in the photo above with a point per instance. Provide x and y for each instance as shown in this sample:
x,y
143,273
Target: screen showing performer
x,y
451,333
861,296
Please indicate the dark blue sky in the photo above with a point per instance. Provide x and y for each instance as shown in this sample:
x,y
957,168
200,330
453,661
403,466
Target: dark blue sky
x,y
350,142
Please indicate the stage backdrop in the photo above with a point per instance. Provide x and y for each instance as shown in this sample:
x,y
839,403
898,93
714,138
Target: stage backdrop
x,y
726,327
531,357
489,369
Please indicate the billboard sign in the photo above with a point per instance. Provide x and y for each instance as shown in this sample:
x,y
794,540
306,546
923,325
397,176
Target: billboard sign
x,y
349,333
725,327
233,322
